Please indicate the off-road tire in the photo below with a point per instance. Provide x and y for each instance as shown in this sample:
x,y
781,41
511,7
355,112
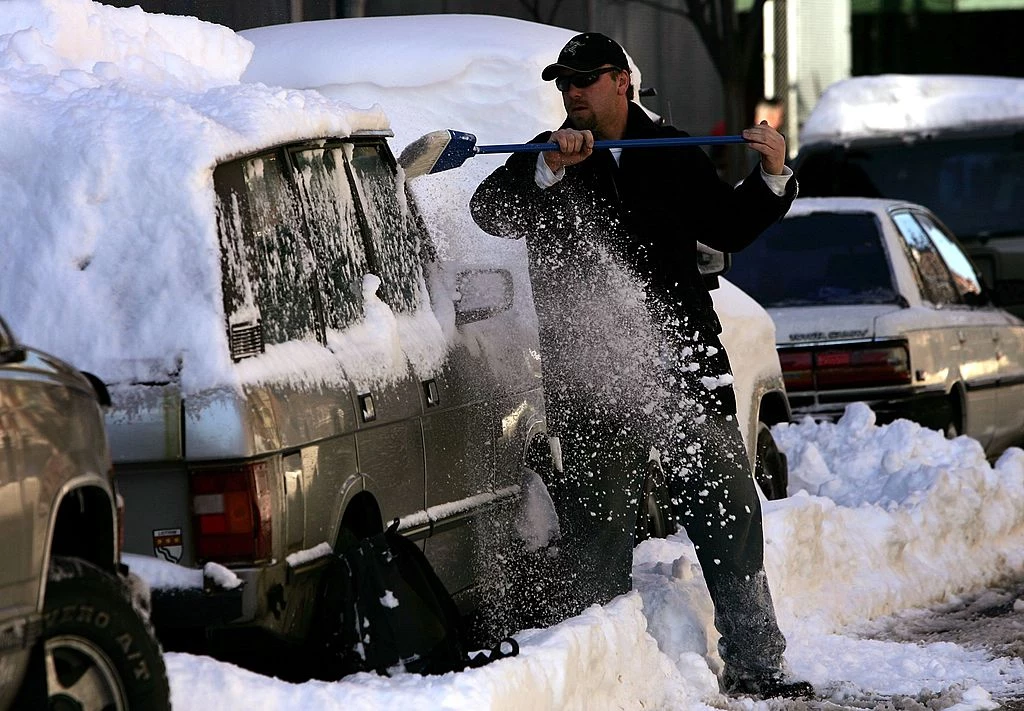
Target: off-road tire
x,y
90,627
771,469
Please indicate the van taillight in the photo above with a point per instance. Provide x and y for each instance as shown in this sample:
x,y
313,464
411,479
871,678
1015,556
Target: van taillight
x,y
850,367
231,512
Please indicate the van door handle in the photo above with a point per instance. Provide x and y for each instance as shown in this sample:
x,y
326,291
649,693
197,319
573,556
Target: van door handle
x,y
366,408
430,393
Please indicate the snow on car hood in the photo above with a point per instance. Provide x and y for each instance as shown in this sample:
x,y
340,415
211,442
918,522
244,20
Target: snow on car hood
x,y
810,324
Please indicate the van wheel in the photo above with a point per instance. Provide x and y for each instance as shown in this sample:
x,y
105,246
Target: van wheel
x,y
98,652
771,469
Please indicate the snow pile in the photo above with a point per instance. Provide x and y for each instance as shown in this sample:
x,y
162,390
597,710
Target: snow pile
x,y
900,501
427,72
116,119
880,519
897,103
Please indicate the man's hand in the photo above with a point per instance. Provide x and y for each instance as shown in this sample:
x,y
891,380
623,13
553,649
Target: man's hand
x,y
770,144
573,147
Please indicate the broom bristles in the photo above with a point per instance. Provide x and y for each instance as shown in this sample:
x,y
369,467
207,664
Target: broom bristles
x,y
420,156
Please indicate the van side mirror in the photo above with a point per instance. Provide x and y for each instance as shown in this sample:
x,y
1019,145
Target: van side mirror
x,y
482,293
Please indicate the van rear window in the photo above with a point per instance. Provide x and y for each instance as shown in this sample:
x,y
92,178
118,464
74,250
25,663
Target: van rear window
x,y
266,262
821,258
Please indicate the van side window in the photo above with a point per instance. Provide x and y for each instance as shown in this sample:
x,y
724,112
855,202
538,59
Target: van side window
x,y
936,284
335,236
394,241
264,258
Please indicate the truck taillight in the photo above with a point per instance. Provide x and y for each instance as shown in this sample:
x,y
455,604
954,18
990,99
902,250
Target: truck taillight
x,y
847,367
231,512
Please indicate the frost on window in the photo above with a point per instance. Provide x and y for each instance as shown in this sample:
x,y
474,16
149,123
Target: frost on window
x,y
393,238
264,260
335,237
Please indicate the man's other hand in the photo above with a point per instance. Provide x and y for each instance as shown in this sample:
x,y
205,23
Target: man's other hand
x,y
573,147
770,144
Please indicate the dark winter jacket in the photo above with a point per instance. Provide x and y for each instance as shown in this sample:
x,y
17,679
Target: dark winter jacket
x,y
653,209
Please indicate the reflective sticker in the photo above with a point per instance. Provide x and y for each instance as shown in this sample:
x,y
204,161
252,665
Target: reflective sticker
x,y
167,544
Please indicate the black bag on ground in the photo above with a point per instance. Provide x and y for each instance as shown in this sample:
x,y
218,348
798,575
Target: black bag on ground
x,y
395,613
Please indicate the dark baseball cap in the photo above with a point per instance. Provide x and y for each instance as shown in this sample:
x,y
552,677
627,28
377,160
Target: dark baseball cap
x,y
585,53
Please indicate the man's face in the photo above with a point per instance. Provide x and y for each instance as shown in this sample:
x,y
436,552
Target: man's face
x,y
591,107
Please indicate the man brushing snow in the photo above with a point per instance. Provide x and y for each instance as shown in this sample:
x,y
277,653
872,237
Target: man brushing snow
x,y
630,346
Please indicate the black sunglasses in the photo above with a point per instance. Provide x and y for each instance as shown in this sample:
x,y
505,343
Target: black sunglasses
x,y
581,81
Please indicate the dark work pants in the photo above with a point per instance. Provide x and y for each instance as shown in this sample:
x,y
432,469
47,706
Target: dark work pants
x,y
597,500
716,502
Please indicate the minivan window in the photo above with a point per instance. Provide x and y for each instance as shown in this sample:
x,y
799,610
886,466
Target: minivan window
x,y
393,237
822,258
335,236
976,183
264,257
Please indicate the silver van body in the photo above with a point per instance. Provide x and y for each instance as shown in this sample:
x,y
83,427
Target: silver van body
x,y
316,237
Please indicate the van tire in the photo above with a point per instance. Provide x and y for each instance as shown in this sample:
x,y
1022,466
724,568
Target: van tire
x,y
90,626
771,468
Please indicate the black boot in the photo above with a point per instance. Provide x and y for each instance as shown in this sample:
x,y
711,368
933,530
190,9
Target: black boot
x,y
765,685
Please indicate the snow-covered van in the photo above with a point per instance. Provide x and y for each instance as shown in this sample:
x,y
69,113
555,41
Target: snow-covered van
x,y
290,358
953,143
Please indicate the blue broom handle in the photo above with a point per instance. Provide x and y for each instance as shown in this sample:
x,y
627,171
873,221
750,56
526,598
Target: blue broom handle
x,y
623,143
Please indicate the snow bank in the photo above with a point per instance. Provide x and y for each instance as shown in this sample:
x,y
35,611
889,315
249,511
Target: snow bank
x,y
602,658
886,518
881,519
897,103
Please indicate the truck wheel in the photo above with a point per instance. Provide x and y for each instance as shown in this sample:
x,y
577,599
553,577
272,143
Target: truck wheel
x,y
98,651
771,469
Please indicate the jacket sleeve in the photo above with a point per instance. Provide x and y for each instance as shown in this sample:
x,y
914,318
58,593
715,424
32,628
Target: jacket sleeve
x,y
508,203
730,218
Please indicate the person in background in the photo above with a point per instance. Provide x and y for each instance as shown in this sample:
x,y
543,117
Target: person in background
x,y
630,342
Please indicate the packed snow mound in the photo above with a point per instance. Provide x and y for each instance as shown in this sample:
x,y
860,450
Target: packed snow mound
x,y
897,103
428,72
113,122
79,40
899,500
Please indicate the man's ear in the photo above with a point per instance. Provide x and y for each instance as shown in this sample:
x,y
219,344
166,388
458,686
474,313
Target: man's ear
x,y
623,82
